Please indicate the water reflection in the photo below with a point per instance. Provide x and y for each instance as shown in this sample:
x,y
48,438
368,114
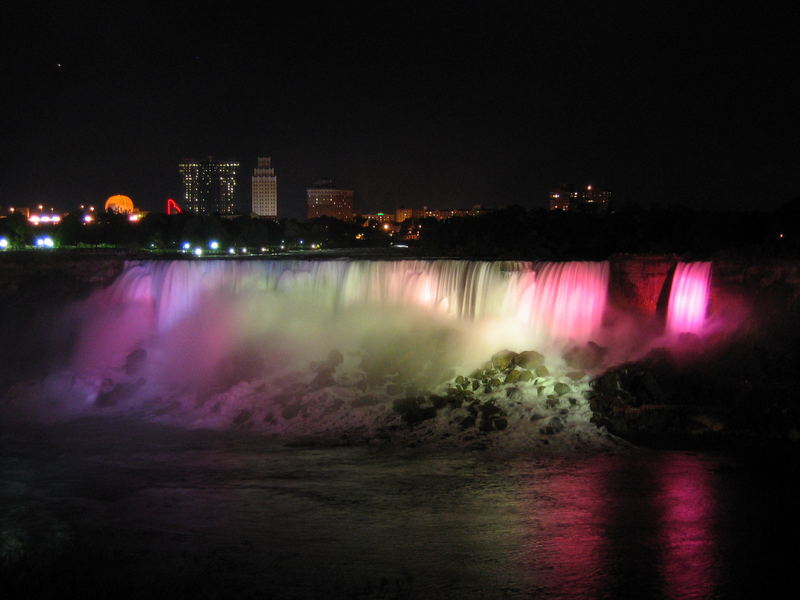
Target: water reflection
x,y
616,526
562,543
689,505
138,511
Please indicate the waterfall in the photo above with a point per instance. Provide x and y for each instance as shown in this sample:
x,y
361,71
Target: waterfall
x,y
688,299
199,309
563,300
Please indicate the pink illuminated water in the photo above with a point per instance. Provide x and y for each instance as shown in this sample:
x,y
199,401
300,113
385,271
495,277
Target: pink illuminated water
x,y
563,300
688,299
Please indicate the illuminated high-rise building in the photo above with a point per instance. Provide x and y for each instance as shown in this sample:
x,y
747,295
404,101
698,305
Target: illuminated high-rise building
x,y
265,189
327,200
209,186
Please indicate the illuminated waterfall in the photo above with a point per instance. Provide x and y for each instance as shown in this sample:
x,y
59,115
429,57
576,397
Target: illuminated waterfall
x,y
215,304
563,300
688,299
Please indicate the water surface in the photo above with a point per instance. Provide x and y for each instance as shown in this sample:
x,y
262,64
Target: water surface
x,y
133,510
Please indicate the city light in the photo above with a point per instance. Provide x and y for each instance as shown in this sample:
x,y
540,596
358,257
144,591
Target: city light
x,y
88,218
3,243
134,218
39,219
186,245
198,251
231,250
213,244
44,242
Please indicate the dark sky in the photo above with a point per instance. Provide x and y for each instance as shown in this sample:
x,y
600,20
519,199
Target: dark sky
x,y
442,104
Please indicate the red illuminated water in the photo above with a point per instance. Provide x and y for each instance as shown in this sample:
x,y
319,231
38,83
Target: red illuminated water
x,y
688,300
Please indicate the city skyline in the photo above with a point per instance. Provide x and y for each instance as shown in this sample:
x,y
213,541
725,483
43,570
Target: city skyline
x,y
488,105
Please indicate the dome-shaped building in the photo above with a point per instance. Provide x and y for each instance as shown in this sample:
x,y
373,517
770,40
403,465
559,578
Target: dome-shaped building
x,y
119,204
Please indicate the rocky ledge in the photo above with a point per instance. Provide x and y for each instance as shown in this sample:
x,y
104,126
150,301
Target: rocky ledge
x,y
711,401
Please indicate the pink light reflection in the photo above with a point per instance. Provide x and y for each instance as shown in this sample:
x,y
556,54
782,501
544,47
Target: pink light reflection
x,y
687,540
565,543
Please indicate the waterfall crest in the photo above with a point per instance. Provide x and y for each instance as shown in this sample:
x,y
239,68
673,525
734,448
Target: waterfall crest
x,y
550,301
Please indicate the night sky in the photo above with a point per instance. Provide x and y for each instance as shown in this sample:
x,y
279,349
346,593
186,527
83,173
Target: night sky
x,y
440,104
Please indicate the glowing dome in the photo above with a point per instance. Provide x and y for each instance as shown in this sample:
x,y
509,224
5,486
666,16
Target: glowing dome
x,y
119,204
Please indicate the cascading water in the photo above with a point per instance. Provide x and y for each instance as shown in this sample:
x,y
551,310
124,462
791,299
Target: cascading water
x,y
214,303
300,347
562,300
688,299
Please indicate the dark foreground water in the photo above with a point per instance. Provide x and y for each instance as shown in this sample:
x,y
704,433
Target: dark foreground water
x,y
122,510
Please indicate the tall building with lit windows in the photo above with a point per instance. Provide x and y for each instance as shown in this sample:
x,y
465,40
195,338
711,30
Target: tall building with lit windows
x,y
265,189
209,186
588,199
327,200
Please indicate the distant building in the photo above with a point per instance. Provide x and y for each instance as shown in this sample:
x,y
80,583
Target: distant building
x,y
265,189
403,213
209,186
475,211
426,213
327,200
379,217
589,199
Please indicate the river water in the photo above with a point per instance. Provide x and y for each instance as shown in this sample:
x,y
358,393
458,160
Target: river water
x,y
126,509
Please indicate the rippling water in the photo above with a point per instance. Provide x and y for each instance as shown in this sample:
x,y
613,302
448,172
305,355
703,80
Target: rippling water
x,y
135,510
